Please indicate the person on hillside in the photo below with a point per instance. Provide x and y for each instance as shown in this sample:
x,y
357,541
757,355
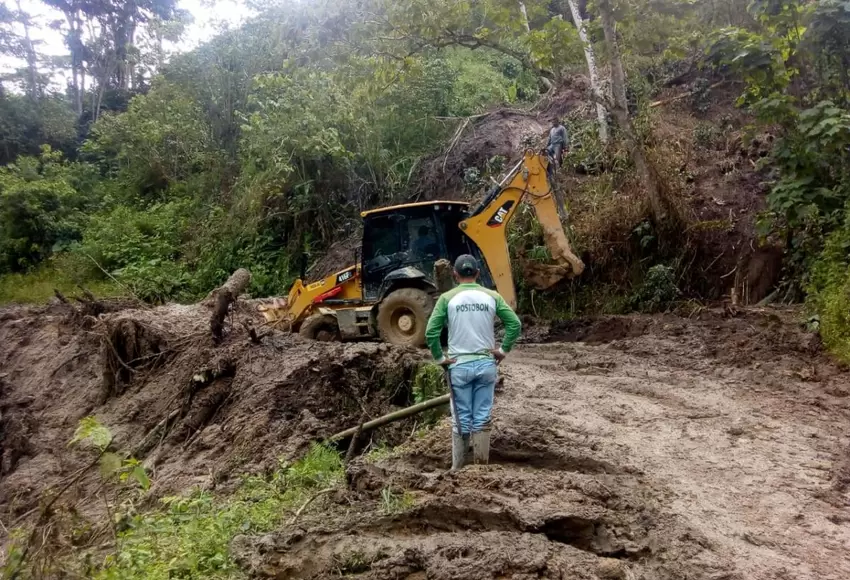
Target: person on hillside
x,y
470,311
559,141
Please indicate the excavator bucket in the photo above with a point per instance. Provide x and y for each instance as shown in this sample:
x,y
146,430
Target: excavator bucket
x,y
567,264
527,181
544,276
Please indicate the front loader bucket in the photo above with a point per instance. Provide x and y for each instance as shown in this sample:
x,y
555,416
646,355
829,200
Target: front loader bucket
x,y
276,313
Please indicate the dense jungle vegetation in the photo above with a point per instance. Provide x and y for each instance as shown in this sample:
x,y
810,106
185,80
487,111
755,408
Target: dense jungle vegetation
x,y
161,174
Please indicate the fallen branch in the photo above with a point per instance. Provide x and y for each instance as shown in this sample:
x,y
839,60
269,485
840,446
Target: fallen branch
x,y
148,442
308,502
682,96
46,511
392,417
60,296
353,443
111,277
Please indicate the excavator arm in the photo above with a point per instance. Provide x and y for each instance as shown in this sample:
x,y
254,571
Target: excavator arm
x,y
487,227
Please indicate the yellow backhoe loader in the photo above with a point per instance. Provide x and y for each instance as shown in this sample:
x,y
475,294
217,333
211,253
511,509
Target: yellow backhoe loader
x,y
390,291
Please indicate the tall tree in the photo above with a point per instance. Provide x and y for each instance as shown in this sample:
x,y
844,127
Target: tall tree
x,y
620,111
101,36
23,19
592,70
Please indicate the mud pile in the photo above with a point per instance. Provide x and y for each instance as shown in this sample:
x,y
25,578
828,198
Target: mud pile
x,y
736,337
194,412
647,448
503,132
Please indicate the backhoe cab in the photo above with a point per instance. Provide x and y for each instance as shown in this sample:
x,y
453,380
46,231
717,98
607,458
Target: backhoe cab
x,y
392,290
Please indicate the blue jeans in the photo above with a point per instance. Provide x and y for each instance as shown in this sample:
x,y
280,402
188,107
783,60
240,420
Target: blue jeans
x,y
473,384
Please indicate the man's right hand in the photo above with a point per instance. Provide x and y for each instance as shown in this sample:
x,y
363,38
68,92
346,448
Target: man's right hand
x,y
447,361
498,355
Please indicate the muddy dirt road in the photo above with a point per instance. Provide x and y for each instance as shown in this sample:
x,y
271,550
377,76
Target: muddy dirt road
x,y
713,447
673,449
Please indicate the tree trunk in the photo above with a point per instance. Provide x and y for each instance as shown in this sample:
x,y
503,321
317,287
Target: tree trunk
x,y
620,111
593,72
32,63
394,416
524,16
73,40
224,296
618,75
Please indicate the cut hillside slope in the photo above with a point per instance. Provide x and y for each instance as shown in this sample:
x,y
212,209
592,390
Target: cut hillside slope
x,y
710,167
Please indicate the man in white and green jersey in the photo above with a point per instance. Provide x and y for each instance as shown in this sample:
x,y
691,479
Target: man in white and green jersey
x,y
470,311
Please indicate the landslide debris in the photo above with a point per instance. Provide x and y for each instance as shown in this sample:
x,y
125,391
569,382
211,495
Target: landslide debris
x,y
632,447
195,413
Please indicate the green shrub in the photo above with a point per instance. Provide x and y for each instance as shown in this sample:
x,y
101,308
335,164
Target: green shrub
x,y
706,135
829,290
657,290
190,538
429,382
142,248
395,502
42,208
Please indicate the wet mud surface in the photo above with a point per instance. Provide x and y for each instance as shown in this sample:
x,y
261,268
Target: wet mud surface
x,y
661,448
713,446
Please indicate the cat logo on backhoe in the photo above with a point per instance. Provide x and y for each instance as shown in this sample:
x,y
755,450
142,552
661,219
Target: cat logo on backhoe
x,y
498,218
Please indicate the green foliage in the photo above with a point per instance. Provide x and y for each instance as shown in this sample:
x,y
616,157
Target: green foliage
x,y
41,208
257,146
706,135
804,46
395,502
190,537
141,248
429,382
26,125
760,59
161,140
91,432
657,290
380,452
829,289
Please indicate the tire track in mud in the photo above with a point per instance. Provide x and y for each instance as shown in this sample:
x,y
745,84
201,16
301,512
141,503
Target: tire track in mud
x,y
743,454
637,459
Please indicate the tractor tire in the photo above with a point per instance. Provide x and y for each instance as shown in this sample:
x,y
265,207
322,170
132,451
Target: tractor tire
x,y
322,327
403,316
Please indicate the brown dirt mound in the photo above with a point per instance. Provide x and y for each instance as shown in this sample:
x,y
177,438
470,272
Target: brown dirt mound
x,y
194,412
504,133
339,256
737,337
